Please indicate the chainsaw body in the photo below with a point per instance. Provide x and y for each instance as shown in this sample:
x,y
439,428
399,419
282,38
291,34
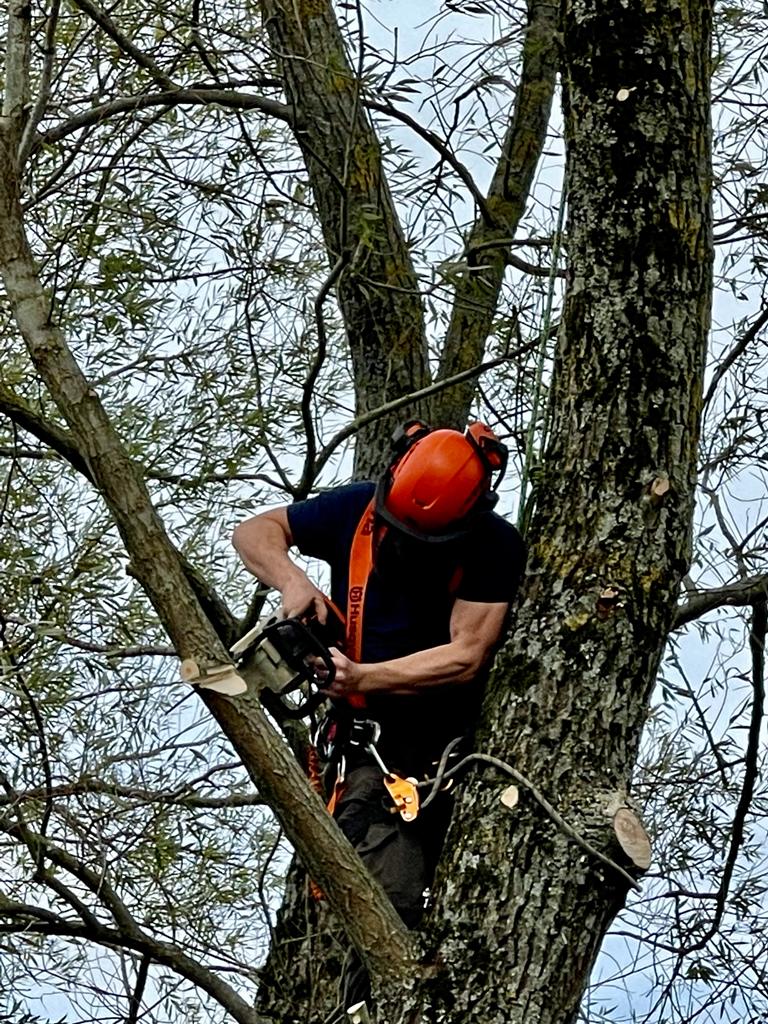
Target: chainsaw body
x,y
288,653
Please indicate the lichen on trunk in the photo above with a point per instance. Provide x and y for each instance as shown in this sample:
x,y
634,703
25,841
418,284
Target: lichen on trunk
x,y
519,909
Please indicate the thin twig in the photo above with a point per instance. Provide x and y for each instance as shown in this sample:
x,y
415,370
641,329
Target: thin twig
x,y
757,636
398,403
741,345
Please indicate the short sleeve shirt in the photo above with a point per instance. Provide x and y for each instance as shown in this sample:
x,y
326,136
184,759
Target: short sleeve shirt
x,y
409,598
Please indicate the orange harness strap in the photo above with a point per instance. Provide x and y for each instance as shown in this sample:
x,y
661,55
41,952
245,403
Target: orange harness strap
x,y
360,565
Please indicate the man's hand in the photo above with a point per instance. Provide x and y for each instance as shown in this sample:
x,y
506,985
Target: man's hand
x,y
263,543
348,677
300,596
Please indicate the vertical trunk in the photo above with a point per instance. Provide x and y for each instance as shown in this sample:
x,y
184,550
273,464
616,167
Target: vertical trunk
x,y
378,290
477,293
520,909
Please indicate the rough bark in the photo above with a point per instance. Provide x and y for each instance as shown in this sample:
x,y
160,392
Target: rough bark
x,y
520,911
488,244
378,291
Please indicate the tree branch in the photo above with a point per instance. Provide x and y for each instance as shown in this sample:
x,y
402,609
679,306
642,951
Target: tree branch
x,y
137,995
445,151
374,927
16,86
17,917
477,292
52,435
182,796
63,442
757,634
378,293
417,396
199,96
44,88
741,345
143,60
734,595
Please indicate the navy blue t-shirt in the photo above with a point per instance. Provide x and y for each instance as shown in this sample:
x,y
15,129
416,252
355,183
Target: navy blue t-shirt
x,y
408,605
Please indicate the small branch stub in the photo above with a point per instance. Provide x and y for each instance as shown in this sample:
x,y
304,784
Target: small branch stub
x,y
658,490
608,602
358,1014
510,796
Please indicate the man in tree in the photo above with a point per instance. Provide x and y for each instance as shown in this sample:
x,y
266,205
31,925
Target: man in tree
x,y
426,571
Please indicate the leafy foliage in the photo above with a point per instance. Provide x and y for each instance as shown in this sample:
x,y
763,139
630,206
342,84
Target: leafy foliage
x,y
178,237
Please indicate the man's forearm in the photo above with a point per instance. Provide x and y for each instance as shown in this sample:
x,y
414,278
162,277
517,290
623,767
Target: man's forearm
x,y
451,663
263,544
475,631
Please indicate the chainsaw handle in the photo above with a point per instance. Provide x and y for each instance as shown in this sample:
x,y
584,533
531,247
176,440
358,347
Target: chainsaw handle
x,y
324,655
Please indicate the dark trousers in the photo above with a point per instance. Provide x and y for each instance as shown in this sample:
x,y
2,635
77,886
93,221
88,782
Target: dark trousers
x,y
401,855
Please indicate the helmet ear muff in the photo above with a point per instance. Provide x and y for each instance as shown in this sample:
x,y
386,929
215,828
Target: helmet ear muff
x,y
406,436
492,452
486,502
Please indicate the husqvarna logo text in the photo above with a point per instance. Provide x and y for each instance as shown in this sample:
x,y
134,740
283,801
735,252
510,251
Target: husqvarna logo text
x,y
355,602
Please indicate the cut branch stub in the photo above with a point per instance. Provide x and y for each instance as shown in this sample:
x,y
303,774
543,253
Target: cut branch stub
x,y
632,837
608,602
219,678
510,796
659,489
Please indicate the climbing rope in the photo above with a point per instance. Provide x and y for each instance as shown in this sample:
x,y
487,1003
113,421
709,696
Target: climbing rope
x,y
444,773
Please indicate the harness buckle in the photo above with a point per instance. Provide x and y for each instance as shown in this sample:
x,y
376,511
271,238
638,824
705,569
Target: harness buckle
x,y
364,732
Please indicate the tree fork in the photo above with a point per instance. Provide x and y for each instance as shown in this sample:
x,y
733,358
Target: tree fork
x,y
378,292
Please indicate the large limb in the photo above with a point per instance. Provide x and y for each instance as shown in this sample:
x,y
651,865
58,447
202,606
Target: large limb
x,y
378,291
570,692
488,244
372,924
744,592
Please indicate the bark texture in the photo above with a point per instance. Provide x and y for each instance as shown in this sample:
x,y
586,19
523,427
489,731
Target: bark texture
x,y
520,910
378,291
488,244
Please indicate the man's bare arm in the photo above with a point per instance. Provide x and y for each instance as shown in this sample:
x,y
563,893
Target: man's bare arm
x,y
263,543
475,631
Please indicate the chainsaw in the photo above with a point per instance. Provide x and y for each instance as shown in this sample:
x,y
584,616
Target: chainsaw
x,y
292,654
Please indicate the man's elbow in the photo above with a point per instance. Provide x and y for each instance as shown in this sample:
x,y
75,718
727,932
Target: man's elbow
x,y
239,535
266,531
471,661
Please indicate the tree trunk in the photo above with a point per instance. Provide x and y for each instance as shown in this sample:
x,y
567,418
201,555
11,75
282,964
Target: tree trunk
x,y
378,291
520,909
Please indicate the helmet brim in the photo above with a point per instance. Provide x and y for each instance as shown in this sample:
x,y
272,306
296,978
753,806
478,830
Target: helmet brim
x,y
456,532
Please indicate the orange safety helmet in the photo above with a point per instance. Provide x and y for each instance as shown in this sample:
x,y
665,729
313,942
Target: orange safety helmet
x,y
439,479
